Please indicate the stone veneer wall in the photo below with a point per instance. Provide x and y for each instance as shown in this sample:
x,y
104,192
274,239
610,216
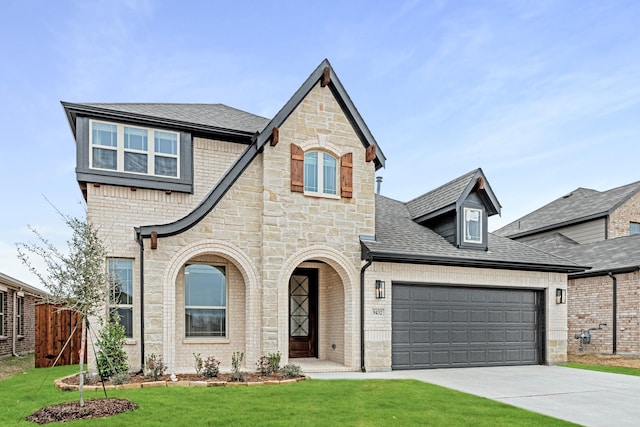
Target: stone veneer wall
x,y
378,311
620,218
590,302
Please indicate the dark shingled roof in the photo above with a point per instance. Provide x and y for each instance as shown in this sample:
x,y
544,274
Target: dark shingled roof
x,y
580,205
214,115
397,235
439,198
607,255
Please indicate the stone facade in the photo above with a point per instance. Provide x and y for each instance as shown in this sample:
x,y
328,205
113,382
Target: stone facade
x,y
590,302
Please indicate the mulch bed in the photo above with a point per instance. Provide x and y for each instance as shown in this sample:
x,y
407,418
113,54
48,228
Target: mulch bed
x,y
93,408
623,361
139,378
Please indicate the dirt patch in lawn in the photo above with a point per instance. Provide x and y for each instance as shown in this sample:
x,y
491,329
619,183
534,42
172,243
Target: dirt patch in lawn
x,y
10,366
605,360
93,408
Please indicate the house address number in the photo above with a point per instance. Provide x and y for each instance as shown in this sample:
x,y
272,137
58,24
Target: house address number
x,y
378,311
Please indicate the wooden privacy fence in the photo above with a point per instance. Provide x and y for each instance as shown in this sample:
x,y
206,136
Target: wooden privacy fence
x,y
53,328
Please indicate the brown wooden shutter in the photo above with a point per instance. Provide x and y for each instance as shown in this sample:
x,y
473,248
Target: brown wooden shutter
x,y
346,175
370,153
297,169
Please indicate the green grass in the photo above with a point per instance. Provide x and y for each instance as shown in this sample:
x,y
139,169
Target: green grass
x,y
602,368
306,403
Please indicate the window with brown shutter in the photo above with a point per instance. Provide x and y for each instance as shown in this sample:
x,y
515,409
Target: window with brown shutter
x,y
346,175
297,169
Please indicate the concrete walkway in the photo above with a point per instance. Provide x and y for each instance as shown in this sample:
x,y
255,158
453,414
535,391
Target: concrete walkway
x,y
580,396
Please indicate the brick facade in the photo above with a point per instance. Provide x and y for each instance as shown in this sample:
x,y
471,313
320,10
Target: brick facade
x,y
24,343
590,302
619,219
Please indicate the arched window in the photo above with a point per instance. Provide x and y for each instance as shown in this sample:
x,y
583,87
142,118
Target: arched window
x,y
320,173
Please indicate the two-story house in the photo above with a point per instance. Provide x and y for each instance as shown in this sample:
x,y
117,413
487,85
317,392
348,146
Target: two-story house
x,y
233,232
600,229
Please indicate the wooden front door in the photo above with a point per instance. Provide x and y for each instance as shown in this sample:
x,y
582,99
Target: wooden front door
x,y
303,313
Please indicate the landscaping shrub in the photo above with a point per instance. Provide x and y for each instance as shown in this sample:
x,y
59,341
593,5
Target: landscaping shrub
x,y
236,361
111,358
120,378
291,371
211,367
155,367
197,363
269,364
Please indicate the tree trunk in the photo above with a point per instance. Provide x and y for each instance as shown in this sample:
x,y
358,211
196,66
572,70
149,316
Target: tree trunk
x,y
82,346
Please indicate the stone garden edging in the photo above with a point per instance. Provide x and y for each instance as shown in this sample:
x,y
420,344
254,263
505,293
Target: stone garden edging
x,y
61,385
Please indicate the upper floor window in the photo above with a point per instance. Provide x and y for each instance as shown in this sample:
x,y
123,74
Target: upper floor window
x,y
20,315
121,295
634,228
320,173
205,301
3,299
472,225
132,149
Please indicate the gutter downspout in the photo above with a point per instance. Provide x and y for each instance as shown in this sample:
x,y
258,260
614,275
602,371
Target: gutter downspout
x,y
15,325
615,312
362,270
141,243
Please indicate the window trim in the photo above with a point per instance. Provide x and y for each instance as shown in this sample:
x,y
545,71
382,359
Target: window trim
x,y
20,316
150,152
206,338
320,174
3,301
112,306
480,239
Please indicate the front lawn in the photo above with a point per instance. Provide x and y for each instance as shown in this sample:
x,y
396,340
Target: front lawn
x,y
603,368
15,364
306,403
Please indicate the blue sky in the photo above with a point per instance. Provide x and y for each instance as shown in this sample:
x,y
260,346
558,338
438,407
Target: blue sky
x,y
543,95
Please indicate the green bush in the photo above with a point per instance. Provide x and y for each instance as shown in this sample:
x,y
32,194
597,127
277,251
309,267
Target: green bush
x,y
111,358
291,371
269,364
210,368
154,367
197,363
236,361
120,378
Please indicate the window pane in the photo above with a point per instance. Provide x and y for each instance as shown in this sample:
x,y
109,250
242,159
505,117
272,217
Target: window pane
x,y
328,174
104,159
166,166
205,322
104,134
2,298
472,225
126,319
634,228
311,171
166,143
135,162
122,269
205,285
135,139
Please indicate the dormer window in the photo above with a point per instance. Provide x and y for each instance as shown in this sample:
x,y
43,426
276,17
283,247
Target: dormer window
x,y
132,149
320,173
472,225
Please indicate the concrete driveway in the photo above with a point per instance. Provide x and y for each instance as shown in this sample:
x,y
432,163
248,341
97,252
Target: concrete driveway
x,y
580,396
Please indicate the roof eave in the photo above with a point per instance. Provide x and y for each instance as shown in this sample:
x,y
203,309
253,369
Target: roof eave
x,y
555,226
604,272
465,262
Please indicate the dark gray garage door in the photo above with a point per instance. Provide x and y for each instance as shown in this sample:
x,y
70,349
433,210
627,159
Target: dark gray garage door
x,y
445,326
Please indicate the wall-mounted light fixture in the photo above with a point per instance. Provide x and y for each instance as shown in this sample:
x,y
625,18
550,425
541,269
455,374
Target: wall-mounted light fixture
x,y
561,296
379,289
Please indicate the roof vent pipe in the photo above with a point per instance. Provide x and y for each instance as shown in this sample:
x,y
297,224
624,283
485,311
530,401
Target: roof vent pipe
x,y
379,183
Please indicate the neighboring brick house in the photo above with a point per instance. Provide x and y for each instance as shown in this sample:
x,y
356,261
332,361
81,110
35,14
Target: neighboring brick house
x,y
17,316
600,229
232,232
